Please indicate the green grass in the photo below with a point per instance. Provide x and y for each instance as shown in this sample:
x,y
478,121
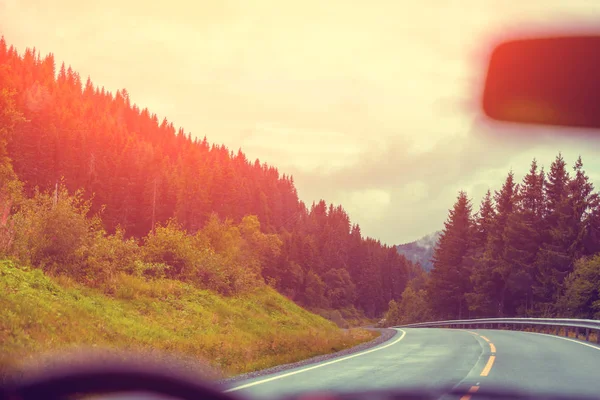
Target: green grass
x,y
234,335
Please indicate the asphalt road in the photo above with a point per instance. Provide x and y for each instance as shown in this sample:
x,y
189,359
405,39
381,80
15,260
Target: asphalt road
x,y
446,357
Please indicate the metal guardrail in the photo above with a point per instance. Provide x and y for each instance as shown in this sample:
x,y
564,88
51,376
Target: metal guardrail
x,y
550,325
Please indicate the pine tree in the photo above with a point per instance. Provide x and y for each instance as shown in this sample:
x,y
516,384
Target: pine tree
x,y
482,275
484,222
581,201
450,274
500,271
522,239
553,262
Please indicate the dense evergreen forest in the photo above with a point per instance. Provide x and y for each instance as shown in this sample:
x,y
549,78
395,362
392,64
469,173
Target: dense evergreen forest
x,y
531,249
141,175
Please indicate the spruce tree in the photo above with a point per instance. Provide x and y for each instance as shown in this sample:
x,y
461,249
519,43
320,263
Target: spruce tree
x,y
553,261
480,302
449,280
522,238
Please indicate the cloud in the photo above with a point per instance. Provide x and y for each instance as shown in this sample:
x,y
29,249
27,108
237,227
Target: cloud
x,y
371,106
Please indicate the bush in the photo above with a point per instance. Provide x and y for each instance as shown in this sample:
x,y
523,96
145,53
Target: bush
x,y
192,259
104,256
53,231
242,250
172,246
413,307
582,290
50,228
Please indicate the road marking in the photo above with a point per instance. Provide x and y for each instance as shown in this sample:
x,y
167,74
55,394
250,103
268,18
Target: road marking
x,y
316,366
488,366
564,338
490,363
472,390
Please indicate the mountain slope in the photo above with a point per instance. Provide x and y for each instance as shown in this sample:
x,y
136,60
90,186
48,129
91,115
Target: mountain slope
x,y
420,251
143,172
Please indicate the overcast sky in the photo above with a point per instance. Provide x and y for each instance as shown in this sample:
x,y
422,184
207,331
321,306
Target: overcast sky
x,y
366,103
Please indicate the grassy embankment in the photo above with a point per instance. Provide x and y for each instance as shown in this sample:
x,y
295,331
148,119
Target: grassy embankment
x,y
257,330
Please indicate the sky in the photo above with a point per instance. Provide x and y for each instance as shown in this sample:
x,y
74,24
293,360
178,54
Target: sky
x,y
368,104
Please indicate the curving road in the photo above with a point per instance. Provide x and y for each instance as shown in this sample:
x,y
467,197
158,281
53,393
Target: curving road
x,y
431,358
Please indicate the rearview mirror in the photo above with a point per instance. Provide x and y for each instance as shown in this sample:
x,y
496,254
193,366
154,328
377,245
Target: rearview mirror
x,y
548,81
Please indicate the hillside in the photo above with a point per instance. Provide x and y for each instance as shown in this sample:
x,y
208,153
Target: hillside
x,y
141,173
420,251
232,335
531,249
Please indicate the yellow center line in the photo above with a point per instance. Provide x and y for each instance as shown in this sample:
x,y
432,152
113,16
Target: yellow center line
x,y
488,366
473,389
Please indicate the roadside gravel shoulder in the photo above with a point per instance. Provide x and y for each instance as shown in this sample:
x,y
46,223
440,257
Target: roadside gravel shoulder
x,y
385,335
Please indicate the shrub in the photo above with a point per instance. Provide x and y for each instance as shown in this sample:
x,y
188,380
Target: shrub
x,y
50,228
582,294
172,246
184,259
104,256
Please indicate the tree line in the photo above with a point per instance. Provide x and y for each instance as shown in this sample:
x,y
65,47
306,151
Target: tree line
x,y
140,174
531,250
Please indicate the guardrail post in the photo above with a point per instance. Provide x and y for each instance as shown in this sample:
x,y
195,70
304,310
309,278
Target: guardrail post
x,y
598,336
576,332
587,334
557,330
567,329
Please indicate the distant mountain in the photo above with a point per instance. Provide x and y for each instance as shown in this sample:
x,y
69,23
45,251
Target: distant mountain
x,y
420,250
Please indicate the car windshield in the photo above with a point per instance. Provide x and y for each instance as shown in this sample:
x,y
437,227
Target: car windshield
x,y
271,194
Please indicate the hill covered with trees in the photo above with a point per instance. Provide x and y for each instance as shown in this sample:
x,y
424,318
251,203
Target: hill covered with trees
x,y
531,249
198,209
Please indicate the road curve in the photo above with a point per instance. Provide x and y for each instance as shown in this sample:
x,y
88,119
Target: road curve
x,y
429,357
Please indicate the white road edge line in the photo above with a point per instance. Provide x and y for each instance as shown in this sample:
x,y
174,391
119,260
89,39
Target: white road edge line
x,y
316,366
564,338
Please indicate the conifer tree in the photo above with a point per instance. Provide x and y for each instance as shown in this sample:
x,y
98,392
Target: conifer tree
x,y
450,274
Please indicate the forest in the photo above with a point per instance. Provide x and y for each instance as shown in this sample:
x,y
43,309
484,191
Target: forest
x,y
532,249
93,186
